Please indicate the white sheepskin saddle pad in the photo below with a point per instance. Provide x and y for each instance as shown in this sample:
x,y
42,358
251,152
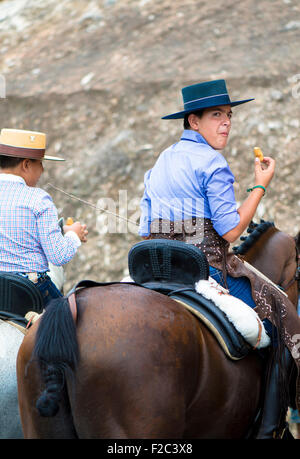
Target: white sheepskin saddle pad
x,y
242,316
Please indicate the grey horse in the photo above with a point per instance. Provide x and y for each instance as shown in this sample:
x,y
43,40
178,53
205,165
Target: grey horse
x,y
10,341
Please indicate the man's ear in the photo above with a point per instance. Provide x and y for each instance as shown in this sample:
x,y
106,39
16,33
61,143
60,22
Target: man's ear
x,y
25,164
193,120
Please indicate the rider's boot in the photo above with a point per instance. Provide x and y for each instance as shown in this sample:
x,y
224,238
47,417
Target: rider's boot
x,y
273,418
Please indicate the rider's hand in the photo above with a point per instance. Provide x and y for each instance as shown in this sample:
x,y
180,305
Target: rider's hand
x,y
264,171
79,229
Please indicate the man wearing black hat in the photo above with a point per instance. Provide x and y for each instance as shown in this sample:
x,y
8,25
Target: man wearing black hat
x,y
194,169
189,196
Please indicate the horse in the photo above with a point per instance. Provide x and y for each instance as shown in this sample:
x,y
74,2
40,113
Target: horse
x,y
10,341
272,252
134,363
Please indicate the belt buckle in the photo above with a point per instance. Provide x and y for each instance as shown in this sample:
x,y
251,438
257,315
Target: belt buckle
x,y
33,277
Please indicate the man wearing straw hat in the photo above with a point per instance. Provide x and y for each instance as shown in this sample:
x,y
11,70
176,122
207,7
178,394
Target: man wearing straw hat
x,y
30,236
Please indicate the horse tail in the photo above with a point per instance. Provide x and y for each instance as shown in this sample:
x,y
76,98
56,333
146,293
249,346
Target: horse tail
x,y
56,351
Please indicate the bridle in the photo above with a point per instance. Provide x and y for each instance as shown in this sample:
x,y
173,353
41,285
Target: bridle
x,y
296,277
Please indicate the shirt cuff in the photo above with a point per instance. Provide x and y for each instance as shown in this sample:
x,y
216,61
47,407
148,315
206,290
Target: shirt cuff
x,y
144,227
226,223
72,235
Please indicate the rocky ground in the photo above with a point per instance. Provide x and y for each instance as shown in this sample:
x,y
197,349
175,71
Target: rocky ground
x,y
98,75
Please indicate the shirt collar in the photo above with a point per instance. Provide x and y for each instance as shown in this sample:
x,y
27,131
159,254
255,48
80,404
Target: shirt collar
x,y
190,134
11,178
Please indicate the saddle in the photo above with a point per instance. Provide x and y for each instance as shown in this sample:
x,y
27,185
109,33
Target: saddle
x,y
18,295
173,268
17,321
167,264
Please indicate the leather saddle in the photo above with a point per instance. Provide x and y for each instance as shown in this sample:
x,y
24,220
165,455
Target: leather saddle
x,y
167,263
173,268
18,295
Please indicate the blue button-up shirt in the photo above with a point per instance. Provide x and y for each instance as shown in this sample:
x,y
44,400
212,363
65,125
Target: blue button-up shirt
x,y
190,179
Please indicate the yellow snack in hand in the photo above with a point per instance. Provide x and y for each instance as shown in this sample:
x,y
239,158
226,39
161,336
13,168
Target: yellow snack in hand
x,y
69,221
258,153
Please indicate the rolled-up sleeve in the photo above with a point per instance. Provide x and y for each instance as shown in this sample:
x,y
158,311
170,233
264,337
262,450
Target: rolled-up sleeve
x,y
58,249
145,206
220,196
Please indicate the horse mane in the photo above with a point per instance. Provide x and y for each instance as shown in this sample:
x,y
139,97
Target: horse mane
x,y
255,230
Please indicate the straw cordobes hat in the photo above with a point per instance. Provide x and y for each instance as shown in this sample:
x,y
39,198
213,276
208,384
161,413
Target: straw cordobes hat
x,y
24,144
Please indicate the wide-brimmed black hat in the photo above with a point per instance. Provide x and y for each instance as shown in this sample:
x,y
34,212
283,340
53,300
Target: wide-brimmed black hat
x,y
204,95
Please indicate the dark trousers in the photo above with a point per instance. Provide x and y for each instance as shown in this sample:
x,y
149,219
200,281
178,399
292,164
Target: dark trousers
x,y
48,290
46,287
240,287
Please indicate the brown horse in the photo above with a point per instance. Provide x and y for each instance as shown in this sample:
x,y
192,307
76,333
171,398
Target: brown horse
x,y
135,365
273,253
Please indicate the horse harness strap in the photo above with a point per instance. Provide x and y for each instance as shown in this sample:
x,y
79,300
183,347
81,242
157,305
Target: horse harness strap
x,y
71,296
73,305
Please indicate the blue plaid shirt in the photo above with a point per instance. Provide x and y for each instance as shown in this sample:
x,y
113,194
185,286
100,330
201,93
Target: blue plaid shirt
x,y
190,179
30,236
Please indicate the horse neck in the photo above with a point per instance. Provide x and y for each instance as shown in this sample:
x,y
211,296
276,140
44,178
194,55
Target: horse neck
x,y
274,254
261,247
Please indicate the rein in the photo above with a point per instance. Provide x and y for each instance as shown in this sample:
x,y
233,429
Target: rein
x,y
90,204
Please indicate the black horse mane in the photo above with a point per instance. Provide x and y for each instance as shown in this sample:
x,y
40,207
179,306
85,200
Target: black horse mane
x,y
255,230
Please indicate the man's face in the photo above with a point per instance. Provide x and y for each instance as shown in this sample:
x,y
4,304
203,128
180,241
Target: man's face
x,y
34,171
214,125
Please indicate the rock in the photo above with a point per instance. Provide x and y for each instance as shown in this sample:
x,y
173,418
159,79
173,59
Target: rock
x,y
292,25
276,95
87,79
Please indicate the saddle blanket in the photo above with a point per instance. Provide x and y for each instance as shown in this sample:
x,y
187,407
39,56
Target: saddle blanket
x,y
242,317
19,322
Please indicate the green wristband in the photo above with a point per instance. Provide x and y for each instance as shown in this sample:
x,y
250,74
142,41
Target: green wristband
x,y
257,186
